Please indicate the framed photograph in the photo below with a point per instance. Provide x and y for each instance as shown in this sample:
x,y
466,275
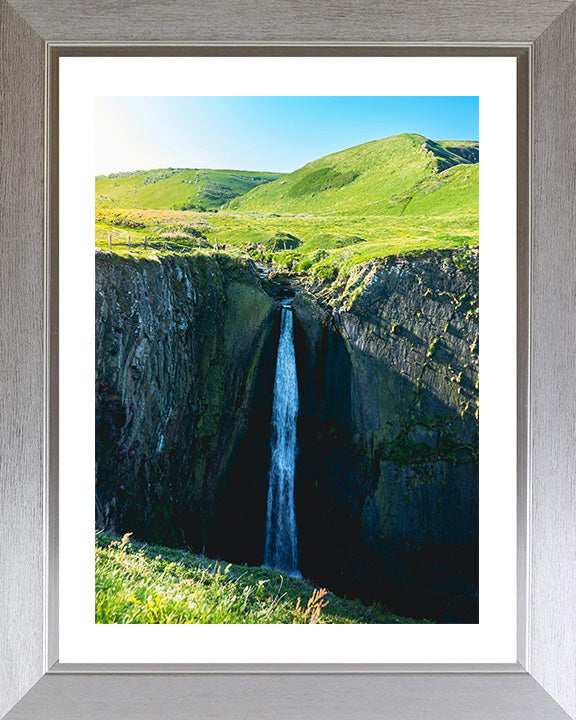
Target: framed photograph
x,y
296,256
316,428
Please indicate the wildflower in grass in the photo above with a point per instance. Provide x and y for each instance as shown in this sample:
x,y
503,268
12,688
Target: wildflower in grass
x,y
311,614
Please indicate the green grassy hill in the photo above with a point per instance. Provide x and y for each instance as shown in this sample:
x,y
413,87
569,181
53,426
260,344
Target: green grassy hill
x,y
176,188
402,174
140,583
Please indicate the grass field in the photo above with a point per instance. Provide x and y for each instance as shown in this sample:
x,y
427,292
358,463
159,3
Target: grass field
x,y
324,245
139,583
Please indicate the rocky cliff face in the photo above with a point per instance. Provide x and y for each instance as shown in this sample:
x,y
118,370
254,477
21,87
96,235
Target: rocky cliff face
x,y
387,481
178,346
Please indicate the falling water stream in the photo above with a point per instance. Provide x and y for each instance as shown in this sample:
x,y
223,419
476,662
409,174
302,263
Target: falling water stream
x,y
281,546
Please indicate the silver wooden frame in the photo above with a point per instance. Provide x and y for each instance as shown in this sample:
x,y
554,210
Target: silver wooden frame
x,y
542,33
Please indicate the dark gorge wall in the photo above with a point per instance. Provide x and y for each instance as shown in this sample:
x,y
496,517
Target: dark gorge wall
x,y
387,476
178,346
239,526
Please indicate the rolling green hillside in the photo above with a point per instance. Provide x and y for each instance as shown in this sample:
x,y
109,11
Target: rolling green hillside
x,y
176,188
399,195
402,174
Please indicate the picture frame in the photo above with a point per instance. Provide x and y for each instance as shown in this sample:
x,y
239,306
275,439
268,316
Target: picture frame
x,y
543,682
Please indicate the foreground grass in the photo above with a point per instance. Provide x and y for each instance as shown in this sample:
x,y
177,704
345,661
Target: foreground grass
x,y
140,583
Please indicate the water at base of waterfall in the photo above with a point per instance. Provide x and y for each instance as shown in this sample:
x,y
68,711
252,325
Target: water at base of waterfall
x,y
281,545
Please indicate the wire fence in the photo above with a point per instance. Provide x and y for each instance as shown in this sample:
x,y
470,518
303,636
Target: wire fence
x,y
163,244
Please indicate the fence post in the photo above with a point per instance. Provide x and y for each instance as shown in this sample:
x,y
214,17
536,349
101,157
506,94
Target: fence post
x,y
110,241
128,242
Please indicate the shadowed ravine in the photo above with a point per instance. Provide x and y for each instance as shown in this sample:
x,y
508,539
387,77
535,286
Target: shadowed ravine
x,y
221,422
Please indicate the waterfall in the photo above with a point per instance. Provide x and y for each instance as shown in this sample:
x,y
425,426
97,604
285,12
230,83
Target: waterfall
x,y
281,547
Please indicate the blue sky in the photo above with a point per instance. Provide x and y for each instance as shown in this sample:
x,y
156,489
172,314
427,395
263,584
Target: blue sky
x,y
263,133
